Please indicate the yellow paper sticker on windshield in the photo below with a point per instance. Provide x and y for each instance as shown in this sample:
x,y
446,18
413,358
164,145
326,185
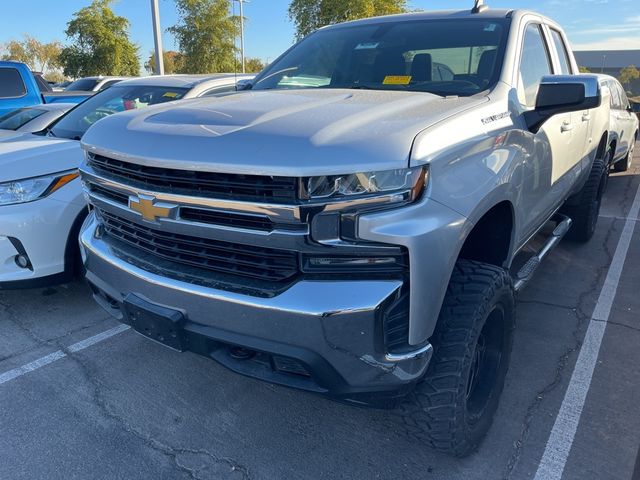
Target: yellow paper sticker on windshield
x,y
170,94
397,80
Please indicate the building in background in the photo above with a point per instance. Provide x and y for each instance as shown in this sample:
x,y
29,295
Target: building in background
x,y
611,62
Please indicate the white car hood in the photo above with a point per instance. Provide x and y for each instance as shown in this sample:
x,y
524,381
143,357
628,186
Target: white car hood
x,y
284,132
28,155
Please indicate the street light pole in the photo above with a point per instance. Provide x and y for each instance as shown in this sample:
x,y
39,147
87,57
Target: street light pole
x,y
241,2
157,37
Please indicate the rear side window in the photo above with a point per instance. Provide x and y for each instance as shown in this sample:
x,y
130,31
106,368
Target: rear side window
x,y
534,65
18,118
624,100
616,102
563,55
11,84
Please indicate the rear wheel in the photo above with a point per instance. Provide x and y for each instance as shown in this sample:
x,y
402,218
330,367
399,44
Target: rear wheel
x,y
625,164
585,213
453,407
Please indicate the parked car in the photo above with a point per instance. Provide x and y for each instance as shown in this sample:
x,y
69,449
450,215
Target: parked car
x,y
623,131
93,84
351,225
34,119
19,88
41,202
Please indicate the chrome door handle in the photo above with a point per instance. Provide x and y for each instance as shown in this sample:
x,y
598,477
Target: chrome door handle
x,y
566,127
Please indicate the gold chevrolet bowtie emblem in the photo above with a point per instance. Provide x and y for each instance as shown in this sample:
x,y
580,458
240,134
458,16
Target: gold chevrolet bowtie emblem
x,y
146,206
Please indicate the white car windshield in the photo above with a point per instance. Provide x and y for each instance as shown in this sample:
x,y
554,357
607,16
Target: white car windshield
x,y
445,57
112,100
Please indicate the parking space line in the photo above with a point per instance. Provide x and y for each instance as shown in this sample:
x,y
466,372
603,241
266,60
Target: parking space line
x,y
564,429
55,356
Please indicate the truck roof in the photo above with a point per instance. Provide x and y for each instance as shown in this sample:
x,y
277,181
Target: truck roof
x,y
487,14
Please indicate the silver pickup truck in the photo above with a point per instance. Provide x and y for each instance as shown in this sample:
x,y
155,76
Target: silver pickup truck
x,y
356,224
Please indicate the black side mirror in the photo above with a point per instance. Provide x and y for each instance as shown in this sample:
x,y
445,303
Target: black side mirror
x,y
563,94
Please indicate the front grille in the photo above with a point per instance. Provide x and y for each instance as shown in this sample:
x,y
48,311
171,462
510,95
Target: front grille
x,y
257,263
259,188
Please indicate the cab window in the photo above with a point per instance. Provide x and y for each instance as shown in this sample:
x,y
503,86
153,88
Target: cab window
x,y
563,55
11,84
534,64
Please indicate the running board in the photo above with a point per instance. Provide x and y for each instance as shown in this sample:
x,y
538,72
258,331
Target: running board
x,y
525,274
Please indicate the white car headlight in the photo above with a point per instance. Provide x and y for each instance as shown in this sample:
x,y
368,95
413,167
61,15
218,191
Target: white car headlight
x,y
30,189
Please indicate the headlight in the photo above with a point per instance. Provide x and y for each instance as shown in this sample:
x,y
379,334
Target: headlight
x,y
341,187
30,189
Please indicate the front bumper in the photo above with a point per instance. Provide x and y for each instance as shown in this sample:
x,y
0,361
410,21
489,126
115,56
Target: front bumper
x,y
326,334
40,230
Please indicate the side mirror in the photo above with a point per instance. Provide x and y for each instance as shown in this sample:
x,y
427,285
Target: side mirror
x,y
244,85
563,94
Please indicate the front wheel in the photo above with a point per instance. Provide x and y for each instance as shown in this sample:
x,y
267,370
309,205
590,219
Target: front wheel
x,y
453,407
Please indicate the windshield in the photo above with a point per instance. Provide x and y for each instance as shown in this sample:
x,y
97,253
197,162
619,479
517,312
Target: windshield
x,y
18,118
84,85
445,57
112,100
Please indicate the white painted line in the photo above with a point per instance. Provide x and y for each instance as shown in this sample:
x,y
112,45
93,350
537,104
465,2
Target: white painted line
x,y
55,356
564,429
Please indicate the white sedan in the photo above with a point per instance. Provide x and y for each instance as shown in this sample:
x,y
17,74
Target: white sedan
x,y
41,202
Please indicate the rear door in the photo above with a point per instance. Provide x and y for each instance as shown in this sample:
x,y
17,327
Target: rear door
x,y
581,141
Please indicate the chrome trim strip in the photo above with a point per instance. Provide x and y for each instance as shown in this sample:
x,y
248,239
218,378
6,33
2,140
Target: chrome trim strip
x,y
281,239
401,357
275,212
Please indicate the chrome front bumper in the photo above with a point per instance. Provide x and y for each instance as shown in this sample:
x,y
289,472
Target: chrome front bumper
x,y
332,327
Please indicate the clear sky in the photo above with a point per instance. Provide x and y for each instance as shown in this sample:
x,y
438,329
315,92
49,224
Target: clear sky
x,y
590,24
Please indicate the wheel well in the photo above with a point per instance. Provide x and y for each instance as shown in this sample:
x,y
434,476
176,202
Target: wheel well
x,y
490,239
602,146
72,249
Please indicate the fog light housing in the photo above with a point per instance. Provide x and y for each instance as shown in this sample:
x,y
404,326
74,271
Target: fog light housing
x,y
22,261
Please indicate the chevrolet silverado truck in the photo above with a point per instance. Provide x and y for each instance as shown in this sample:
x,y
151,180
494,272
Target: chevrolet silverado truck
x,y
353,225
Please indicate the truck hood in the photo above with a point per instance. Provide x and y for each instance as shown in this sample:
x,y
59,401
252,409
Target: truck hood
x,y
285,132
30,155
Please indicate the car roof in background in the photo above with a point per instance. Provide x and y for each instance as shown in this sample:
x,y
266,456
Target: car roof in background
x,y
184,81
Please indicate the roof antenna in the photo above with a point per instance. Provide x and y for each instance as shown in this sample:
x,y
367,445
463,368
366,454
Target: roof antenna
x,y
479,7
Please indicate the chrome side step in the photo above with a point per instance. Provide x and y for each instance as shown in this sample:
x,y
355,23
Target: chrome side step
x,y
525,274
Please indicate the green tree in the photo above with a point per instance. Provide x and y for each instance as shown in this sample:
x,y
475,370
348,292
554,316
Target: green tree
x,y
253,65
100,43
309,15
628,75
206,36
41,57
584,69
172,62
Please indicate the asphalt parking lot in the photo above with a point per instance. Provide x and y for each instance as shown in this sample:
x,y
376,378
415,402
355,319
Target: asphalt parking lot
x,y
80,403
